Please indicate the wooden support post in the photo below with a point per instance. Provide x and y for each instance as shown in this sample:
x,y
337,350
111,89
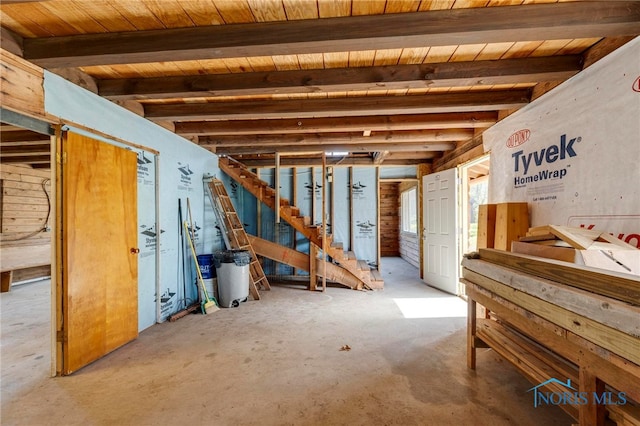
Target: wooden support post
x,y
332,200
294,202
277,187
313,196
592,413
313,274
471,333
378,261
258,212
423,170
351,245
324,221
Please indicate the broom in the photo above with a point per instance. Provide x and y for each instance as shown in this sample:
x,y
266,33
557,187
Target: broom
x,y
209,305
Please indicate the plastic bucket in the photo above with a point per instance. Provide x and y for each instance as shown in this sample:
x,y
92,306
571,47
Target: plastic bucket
x,y
205,261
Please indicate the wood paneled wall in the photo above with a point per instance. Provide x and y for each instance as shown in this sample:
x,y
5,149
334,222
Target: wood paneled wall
x,y
409,249
24,208
389,219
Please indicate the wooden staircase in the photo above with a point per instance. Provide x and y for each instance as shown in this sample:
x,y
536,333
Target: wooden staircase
x,y
291,214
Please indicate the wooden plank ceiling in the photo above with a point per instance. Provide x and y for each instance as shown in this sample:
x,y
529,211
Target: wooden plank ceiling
x,y
387,81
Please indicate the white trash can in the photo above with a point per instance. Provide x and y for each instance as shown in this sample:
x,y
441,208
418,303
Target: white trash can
x,y
232,270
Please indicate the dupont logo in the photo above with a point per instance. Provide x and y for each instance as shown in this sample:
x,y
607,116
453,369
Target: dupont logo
x,y
518,138
636,85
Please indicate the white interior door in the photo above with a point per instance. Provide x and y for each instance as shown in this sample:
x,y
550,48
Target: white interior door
x,y
439,221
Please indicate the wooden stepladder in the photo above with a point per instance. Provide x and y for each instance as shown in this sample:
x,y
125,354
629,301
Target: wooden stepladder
x,y
235,237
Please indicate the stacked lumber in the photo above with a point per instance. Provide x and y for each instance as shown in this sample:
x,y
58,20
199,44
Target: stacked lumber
x,y
554,319
501,224
581,246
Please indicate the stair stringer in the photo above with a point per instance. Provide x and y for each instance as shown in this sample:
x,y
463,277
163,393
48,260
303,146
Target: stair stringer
x,y
301,261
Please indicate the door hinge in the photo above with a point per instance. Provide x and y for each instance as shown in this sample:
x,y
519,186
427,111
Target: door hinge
x,y
61,159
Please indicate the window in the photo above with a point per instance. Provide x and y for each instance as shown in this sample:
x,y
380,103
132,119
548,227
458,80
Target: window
x,y
409,211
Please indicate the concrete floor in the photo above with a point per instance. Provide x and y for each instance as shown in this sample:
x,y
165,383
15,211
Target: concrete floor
x,y
273,362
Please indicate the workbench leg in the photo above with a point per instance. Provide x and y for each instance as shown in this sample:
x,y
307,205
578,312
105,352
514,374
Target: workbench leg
x,y
471,333
591,414
7,278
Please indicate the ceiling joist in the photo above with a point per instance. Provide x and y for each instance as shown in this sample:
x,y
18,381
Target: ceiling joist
x,y
466,120
340,107
347,161
341,34
424,136
447,74
331,147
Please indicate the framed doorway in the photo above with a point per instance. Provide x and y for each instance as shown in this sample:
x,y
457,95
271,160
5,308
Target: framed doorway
x,y
474,191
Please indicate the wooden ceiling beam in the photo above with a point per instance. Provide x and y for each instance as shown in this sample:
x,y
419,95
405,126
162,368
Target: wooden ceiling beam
x,y
354,148
448,135
10,41
398,77
404,155
467,120
491,100
342,34
312,161
379,157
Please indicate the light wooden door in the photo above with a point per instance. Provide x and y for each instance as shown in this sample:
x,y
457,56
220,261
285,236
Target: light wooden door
x,y
99,250
439,221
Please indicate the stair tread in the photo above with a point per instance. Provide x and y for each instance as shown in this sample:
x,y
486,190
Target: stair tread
x,y
350,255
376,275
363,265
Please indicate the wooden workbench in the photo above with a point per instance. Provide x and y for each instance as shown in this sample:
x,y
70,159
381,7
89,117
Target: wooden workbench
x,y
560,327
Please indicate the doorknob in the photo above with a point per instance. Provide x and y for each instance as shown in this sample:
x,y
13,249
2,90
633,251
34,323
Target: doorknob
x,y
134,250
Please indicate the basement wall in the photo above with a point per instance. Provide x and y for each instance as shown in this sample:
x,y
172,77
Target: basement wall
x,y
573,153
181,166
